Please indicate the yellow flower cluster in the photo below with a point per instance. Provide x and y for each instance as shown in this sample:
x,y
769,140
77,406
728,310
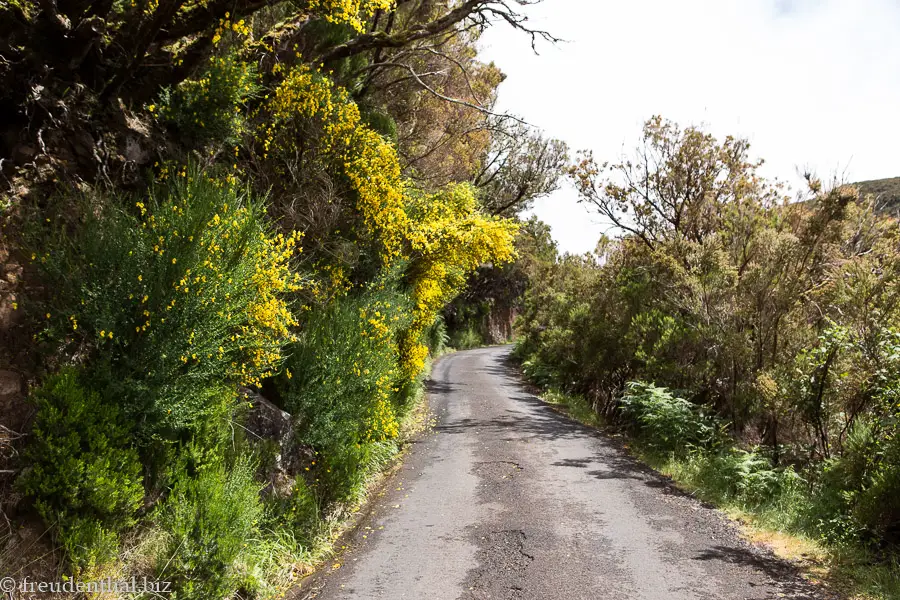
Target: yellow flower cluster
x,y
449,239
240,28
444,234
383,423
270,317
254,312
369,162
351,12
211,106
377,325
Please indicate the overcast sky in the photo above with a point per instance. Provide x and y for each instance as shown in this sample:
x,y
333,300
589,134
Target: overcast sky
x,y
810,83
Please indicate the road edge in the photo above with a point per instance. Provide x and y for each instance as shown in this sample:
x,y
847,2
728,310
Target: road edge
x,y
412,428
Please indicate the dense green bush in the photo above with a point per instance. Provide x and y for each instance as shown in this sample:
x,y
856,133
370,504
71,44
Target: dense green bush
x,y
83,474
437,338
212,516
178,299
860,491
210,107
744,477
667,423
342,382
341,374
465,339
301,510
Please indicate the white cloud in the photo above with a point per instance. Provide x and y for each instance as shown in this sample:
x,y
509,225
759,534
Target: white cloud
x,y
809,83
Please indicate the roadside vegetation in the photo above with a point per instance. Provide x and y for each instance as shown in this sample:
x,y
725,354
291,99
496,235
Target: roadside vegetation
x,y
747,341
229,232
234,233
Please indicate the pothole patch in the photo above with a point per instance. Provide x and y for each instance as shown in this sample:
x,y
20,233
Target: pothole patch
x,y
502,566
497,470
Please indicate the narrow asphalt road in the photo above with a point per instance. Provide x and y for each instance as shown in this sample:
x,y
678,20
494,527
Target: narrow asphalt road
x,y
507,499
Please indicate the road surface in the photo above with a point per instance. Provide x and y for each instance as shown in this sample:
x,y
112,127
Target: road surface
x,y
506,498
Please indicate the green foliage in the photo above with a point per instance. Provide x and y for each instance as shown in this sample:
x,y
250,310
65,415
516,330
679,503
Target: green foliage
x,y
466,339
268,564
538,372
341,382
575,406
177,304
381,122
83,474
522,166
212,517
436,337
345,469
666,422
741,477
210,107
775,321
861,489
300,510
343,368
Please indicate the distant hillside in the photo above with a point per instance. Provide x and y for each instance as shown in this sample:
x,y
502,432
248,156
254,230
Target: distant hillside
x,y
887,191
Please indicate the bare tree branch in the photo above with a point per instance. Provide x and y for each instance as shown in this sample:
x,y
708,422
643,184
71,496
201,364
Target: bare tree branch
x,y
481,12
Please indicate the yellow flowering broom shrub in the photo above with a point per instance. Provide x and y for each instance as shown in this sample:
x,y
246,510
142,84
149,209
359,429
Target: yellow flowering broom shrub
x,y
181,297
448,239
307,115
351,12
444,234
210,108
342,371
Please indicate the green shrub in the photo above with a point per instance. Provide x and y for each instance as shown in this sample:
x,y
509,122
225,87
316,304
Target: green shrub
x,y
577,406
747,478
212,516
341,374
860,491
177,304
466,339
299,511
667,423
345,469
87,543
268,565
209,108
538,372
878,505
83,475
436,337
342,383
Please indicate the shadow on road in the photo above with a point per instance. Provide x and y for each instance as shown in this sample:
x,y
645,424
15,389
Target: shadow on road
x,y
535,418
701,537
439,387
774,568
